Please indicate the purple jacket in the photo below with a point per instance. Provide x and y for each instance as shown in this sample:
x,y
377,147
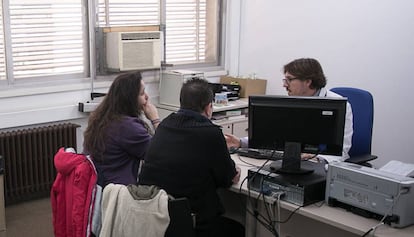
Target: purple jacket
x,y
125,146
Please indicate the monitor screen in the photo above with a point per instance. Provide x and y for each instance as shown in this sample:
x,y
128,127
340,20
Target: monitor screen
x,y
313,124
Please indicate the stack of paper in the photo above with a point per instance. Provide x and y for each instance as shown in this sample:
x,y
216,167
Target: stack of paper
x,y
398,167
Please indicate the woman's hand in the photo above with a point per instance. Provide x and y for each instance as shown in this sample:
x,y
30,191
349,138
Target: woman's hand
x,y
151,113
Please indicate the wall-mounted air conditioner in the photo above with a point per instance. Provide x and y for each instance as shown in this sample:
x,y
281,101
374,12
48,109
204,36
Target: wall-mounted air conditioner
x,y
133,50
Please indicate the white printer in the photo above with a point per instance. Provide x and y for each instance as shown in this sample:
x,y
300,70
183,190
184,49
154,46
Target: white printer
x,y
371,192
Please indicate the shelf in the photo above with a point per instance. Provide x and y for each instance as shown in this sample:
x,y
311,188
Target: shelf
x,y
235,104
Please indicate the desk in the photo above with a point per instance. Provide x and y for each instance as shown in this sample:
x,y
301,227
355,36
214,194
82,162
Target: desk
x,y
313,220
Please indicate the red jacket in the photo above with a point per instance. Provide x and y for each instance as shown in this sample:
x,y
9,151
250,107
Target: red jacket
x,y
72,194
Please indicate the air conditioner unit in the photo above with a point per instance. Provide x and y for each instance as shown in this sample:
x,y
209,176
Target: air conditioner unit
x,y
133,50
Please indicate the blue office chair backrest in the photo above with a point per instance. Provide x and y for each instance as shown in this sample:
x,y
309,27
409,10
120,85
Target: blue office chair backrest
x,y
363,111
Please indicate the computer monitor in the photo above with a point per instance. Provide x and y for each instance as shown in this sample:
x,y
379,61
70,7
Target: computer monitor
x,y
297,125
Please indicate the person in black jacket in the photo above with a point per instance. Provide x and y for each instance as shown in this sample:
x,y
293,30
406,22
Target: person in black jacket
x,y
188,157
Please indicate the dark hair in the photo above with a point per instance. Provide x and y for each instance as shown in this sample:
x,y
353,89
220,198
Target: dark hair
x,y
195,94
307,69
121,100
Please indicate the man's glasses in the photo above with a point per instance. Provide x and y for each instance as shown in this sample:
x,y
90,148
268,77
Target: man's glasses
x,y
288,80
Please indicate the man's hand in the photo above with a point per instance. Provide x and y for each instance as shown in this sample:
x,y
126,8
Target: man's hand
x,y
236,178
232,141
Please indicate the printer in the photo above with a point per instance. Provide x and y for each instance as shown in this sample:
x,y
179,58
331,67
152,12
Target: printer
x,y
170,85
232,91
371,192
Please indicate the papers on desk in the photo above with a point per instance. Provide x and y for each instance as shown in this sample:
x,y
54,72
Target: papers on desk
x,y
398,167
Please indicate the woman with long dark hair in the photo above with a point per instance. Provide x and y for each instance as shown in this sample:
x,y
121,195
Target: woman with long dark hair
x,y
116,137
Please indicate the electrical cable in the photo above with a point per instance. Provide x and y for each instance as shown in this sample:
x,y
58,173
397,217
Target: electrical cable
x,y
266,222
272,216
278,211
382,221
247,163
270,221
321,203
255,204
269,211
290,215
255,214
259,218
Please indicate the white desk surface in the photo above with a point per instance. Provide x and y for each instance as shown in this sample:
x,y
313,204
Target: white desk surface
x,y
334,216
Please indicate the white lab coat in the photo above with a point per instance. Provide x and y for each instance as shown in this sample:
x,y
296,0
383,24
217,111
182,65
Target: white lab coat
x,y
348,130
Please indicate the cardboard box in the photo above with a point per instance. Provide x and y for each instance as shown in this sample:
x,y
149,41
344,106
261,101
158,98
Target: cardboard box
x,y
247,86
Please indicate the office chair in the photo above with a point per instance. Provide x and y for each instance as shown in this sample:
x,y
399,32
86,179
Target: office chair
x,y
181,220
148,216
363,117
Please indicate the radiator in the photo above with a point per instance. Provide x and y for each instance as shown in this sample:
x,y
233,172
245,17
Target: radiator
x,y
28,159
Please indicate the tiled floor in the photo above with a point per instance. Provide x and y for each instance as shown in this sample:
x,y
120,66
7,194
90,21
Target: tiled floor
x,y
31,219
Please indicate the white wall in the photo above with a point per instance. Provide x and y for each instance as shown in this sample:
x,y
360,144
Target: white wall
x,y
360,43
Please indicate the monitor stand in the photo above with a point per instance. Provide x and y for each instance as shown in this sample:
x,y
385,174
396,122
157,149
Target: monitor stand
x,y
291,160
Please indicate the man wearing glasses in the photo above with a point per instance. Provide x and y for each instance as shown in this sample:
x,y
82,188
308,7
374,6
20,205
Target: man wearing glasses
x,y
305,77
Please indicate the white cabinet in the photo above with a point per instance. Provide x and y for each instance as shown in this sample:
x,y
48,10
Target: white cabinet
x,y
227,128
240,129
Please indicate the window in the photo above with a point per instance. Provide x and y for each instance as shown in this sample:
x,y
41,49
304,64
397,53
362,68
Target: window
x,y
191,26
49,39
46,38
187,24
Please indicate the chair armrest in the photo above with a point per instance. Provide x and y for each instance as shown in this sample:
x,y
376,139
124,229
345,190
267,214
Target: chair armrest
x,y
361,159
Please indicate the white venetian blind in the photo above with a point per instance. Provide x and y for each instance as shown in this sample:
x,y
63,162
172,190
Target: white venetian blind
x,y
2,52
47,37
128,12
185,31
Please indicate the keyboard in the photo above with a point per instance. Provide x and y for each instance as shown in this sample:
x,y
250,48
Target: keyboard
x,y
260,154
